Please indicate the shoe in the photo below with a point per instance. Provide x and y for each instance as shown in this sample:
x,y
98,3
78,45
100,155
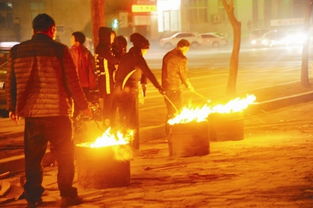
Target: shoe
x,y
34,204
71,201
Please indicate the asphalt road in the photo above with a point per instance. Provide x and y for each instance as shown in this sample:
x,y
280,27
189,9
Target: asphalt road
x,y
258,68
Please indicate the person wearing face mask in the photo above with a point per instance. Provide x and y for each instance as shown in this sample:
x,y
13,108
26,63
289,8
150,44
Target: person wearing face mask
x,y
132,72
174,76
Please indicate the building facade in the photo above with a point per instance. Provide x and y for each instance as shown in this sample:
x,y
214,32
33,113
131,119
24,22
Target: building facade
x,y
74,15
170,16
210,15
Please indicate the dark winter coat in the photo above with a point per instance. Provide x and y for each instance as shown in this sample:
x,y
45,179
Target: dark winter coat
x,y
133,69
105,61
85,66
174,70
42,80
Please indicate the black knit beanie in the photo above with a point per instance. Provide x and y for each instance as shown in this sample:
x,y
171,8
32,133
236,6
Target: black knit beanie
x,y
139,41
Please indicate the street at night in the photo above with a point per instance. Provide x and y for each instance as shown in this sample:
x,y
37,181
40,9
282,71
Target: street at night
x,y
156,103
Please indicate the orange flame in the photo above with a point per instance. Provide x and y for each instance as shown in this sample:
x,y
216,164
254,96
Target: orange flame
x,y
200,114
117,140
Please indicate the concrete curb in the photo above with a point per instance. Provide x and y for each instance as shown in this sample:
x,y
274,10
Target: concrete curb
x,y
16,163
281,102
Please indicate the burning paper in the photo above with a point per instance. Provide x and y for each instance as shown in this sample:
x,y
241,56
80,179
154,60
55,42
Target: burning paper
x,y
200,114
117,140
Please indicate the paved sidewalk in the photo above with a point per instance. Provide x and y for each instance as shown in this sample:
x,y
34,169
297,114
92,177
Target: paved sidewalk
x,y
270,168
8,128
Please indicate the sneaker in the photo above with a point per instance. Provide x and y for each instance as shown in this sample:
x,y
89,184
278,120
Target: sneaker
x,y
71,201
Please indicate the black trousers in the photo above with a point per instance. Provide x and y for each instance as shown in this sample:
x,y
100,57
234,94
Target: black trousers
x,y
38,132
129,114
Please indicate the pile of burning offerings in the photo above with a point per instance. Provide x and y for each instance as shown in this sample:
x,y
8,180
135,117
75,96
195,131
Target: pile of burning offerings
x,y
106,161
201,114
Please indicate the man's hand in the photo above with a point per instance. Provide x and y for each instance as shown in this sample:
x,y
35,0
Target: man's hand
x,y
162,91
14,117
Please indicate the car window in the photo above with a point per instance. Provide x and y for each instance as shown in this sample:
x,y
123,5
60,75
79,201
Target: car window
x,y
184,35
208,36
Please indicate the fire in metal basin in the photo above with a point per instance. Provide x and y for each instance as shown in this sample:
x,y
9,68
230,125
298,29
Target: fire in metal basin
x,y
105,162
193,127
189,139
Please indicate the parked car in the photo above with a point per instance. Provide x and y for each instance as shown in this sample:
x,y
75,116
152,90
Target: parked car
x,y
213,40
170,42
274,38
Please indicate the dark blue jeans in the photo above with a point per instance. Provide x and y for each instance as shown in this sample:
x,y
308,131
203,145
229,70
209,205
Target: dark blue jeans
x,y
38,132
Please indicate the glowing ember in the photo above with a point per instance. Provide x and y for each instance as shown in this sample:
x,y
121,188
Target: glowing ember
x,y
200,114
117,140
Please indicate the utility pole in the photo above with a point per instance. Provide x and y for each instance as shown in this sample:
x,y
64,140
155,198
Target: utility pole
x,y
97,18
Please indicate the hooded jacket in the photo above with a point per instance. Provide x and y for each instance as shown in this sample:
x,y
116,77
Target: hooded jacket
x,y
133,69
105,61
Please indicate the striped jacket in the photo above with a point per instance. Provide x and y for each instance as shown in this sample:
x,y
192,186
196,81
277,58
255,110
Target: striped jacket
x,y
42,80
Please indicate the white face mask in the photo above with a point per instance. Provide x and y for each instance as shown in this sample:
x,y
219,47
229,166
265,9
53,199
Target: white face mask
x,y
144,51
184,50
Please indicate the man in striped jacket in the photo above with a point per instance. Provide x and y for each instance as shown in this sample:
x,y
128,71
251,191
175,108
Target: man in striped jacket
x,y
41,83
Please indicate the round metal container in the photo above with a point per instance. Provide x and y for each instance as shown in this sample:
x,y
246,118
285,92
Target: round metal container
x,y
226,127
190,139
98,168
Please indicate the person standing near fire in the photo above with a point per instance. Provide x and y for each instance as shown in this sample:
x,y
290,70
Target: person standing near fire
x,y
132,71
119,49
41,83
174,76
85,65
105,68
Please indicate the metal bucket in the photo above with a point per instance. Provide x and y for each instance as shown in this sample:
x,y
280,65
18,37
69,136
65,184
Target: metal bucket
x,y
226,127
190,139
99,168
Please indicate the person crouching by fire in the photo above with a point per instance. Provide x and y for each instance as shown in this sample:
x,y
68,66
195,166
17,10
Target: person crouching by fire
x,y
133,70
174,75
105,69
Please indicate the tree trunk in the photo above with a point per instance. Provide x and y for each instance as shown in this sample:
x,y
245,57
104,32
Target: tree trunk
x,y
97,18
234,61
305,52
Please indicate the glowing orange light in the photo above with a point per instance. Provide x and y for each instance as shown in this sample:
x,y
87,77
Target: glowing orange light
x,y
117,140
200,114
137,8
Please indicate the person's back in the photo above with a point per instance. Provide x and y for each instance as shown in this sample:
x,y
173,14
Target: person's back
x,y
129,73
38,69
